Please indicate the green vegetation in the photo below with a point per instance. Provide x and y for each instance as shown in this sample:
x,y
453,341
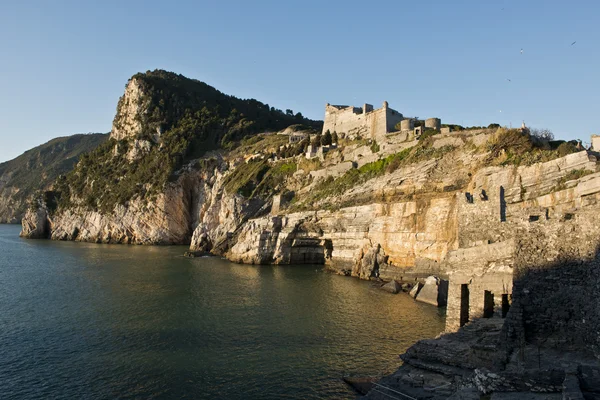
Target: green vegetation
x,y
374,147
575,174
334,187
565,149
428,133
38,168
513,147
258,178
570,176
326,139
454,127
192,118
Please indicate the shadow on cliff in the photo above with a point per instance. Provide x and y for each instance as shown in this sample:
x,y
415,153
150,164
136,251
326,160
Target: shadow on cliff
x,y
556,304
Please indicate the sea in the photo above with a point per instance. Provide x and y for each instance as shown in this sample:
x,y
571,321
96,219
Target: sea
x,y
93,321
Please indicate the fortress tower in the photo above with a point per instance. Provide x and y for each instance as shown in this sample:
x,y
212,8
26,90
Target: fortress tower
x,y
365,121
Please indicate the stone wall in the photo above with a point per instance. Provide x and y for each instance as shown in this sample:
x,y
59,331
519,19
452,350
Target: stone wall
x,y
596,142
497,207
354,121
480,279
557,281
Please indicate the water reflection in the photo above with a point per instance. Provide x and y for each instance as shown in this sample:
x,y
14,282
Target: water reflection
x,y
104,321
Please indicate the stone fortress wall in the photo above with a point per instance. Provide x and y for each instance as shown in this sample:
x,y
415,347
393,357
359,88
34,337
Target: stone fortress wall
x,y
596,143
365,121
373,124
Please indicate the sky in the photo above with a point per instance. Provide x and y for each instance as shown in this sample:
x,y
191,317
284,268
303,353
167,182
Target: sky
x,y
64,64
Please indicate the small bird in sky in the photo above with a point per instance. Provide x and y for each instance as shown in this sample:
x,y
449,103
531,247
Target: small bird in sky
x,y
500,110
521,51
573,43
508,80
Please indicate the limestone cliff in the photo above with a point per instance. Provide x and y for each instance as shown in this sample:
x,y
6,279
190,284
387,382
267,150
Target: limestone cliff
x,y
159,177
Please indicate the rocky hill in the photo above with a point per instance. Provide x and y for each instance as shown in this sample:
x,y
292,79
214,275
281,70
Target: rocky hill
x,y
37,169
144,184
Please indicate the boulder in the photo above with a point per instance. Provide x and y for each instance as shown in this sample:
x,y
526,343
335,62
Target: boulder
x,y
429,292
415,290
392,287
434,291
361,385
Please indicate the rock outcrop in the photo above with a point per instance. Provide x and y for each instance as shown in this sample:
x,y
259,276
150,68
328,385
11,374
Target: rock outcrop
x,y
35,223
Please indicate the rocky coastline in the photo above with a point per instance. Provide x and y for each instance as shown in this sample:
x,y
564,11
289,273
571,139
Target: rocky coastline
x,y
500,229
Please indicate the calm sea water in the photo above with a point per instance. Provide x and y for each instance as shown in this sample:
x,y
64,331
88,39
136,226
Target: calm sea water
x,y
85,321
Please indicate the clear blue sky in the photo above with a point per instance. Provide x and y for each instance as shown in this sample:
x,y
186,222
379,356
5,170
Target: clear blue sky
x,y
65,63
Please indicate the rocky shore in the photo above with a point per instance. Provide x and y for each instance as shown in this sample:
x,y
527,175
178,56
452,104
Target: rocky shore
x,y
499,227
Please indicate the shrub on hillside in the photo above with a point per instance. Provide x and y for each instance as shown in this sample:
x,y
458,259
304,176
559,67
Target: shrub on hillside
x,y
566,148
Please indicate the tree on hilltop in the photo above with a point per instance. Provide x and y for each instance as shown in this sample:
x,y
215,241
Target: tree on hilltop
x,y
326,139
542,134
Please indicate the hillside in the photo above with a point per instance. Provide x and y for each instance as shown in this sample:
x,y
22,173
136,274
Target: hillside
x,y
37,169
162,121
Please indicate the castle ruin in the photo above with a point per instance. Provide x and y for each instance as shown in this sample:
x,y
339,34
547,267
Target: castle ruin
x,y
365,121
374,124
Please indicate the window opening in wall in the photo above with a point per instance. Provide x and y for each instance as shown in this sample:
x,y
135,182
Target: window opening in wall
x,y
483,195
464,304
502,205
534,218
568,216
469,197
488,304
505,305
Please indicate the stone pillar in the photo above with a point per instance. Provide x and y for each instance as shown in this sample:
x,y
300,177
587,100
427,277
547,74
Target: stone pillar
x,y
276,204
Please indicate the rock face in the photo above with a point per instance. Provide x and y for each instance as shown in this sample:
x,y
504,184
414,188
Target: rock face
x,y
154,182
36,224
194,209
133,104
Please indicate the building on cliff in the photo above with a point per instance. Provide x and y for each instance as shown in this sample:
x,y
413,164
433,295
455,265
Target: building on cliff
x,y
596,143
373,124
357,121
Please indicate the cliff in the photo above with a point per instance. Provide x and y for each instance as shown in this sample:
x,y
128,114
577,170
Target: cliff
x,y
37,169
153,181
